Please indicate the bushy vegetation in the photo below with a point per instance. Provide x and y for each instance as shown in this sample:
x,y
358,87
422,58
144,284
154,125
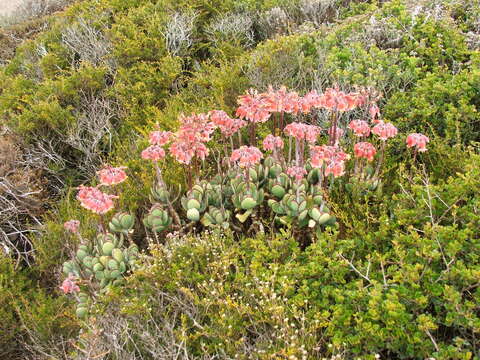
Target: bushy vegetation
x,y
396,276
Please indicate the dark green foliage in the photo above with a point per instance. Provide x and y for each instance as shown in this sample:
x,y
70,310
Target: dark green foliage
x,y
30,316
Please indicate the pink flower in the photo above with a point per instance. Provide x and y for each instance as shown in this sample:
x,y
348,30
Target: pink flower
x,y
385,131
200,150
302,131
272,142
195,128
297,172
253,107
194,132
295,130
360,127
94,200
332,156
364,150
69,286
153,152
110,175
334,99
311,133
227,125
418,140
281,100
160,138
309,101
336,168
72,226
246,156
182,152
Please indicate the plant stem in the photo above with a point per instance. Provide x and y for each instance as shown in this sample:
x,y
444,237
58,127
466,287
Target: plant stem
x,y
289,149
380,161
160,181
333,129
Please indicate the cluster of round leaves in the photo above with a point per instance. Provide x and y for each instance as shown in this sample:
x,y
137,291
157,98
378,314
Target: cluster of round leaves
x,y
97,266
264,188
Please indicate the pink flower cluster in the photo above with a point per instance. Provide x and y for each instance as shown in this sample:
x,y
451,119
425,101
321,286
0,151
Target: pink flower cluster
x,y
271,142
364,150
110,175
72,226
332,156
160,138
301,131
253,107
385,130
91,198
196,130
246,156
154,153
334,99
69,286
297,172
418,140
281,100
227,125
360,128
157,139
190,141
257,107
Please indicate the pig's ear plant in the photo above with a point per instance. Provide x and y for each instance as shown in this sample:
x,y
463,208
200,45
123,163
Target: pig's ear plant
x,y
286,185
101,262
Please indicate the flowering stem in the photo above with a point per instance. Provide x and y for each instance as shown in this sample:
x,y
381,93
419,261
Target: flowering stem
x,y
297,152
239,138
289,149
159,174
102,224
253,129
361,176
380,161
188,170
281,121
247,176
333,129
160,181
302,152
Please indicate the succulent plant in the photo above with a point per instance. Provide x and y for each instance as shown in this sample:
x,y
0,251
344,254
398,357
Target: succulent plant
x,y
121,223
195,202
160,194
83,305
246,195
157,219
279,186
216,217
104,262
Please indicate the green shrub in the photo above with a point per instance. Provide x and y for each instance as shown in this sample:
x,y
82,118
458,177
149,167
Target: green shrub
x,y
446,104
31,318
